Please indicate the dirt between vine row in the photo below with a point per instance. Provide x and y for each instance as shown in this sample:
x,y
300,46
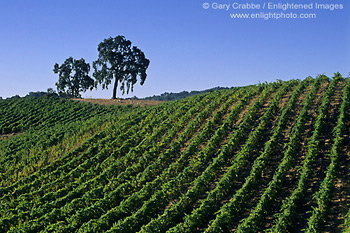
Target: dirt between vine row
x,y
7,136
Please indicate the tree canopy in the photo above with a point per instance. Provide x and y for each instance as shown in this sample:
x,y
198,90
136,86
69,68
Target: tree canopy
x,y
121,62
73,77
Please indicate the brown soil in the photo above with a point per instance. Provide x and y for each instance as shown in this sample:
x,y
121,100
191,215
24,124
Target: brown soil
x,y
339,204
320,164
273,161
7,136
142,103
293,175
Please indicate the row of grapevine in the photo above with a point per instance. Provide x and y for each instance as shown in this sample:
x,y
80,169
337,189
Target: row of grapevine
x,y
249,159
211,203
256,218
172,188
288,210
324,195
60,201
177,209
229,212
69,160
37,147
149,172
68,167
35,113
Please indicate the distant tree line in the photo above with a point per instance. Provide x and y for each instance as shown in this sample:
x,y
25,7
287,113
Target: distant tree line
x,y
162,97
49,93
177,96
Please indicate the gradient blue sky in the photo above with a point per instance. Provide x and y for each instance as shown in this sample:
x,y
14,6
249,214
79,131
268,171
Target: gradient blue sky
x,y
190,48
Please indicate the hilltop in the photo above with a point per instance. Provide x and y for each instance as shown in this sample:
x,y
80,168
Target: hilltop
x,y
269,157
136,102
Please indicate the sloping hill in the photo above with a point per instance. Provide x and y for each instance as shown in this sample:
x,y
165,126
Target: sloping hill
x,y
272,157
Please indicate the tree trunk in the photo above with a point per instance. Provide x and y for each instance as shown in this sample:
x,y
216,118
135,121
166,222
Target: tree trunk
x,y
115,89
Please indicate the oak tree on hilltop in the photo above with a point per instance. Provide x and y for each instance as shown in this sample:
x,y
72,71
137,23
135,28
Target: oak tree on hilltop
x,y
121,62
73,77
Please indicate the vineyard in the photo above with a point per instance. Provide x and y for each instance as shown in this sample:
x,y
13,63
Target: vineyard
x,y
271,157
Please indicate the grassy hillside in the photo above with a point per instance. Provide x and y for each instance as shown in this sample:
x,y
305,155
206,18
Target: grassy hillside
x,y
272,157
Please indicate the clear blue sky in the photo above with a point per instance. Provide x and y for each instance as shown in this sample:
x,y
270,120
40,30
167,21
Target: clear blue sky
x,y
190,48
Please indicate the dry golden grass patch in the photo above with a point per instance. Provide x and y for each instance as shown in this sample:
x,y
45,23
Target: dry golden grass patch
x,y
118,101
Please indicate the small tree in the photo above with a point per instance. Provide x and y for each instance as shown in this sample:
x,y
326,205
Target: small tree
x,y
51,92
73,77
119,61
